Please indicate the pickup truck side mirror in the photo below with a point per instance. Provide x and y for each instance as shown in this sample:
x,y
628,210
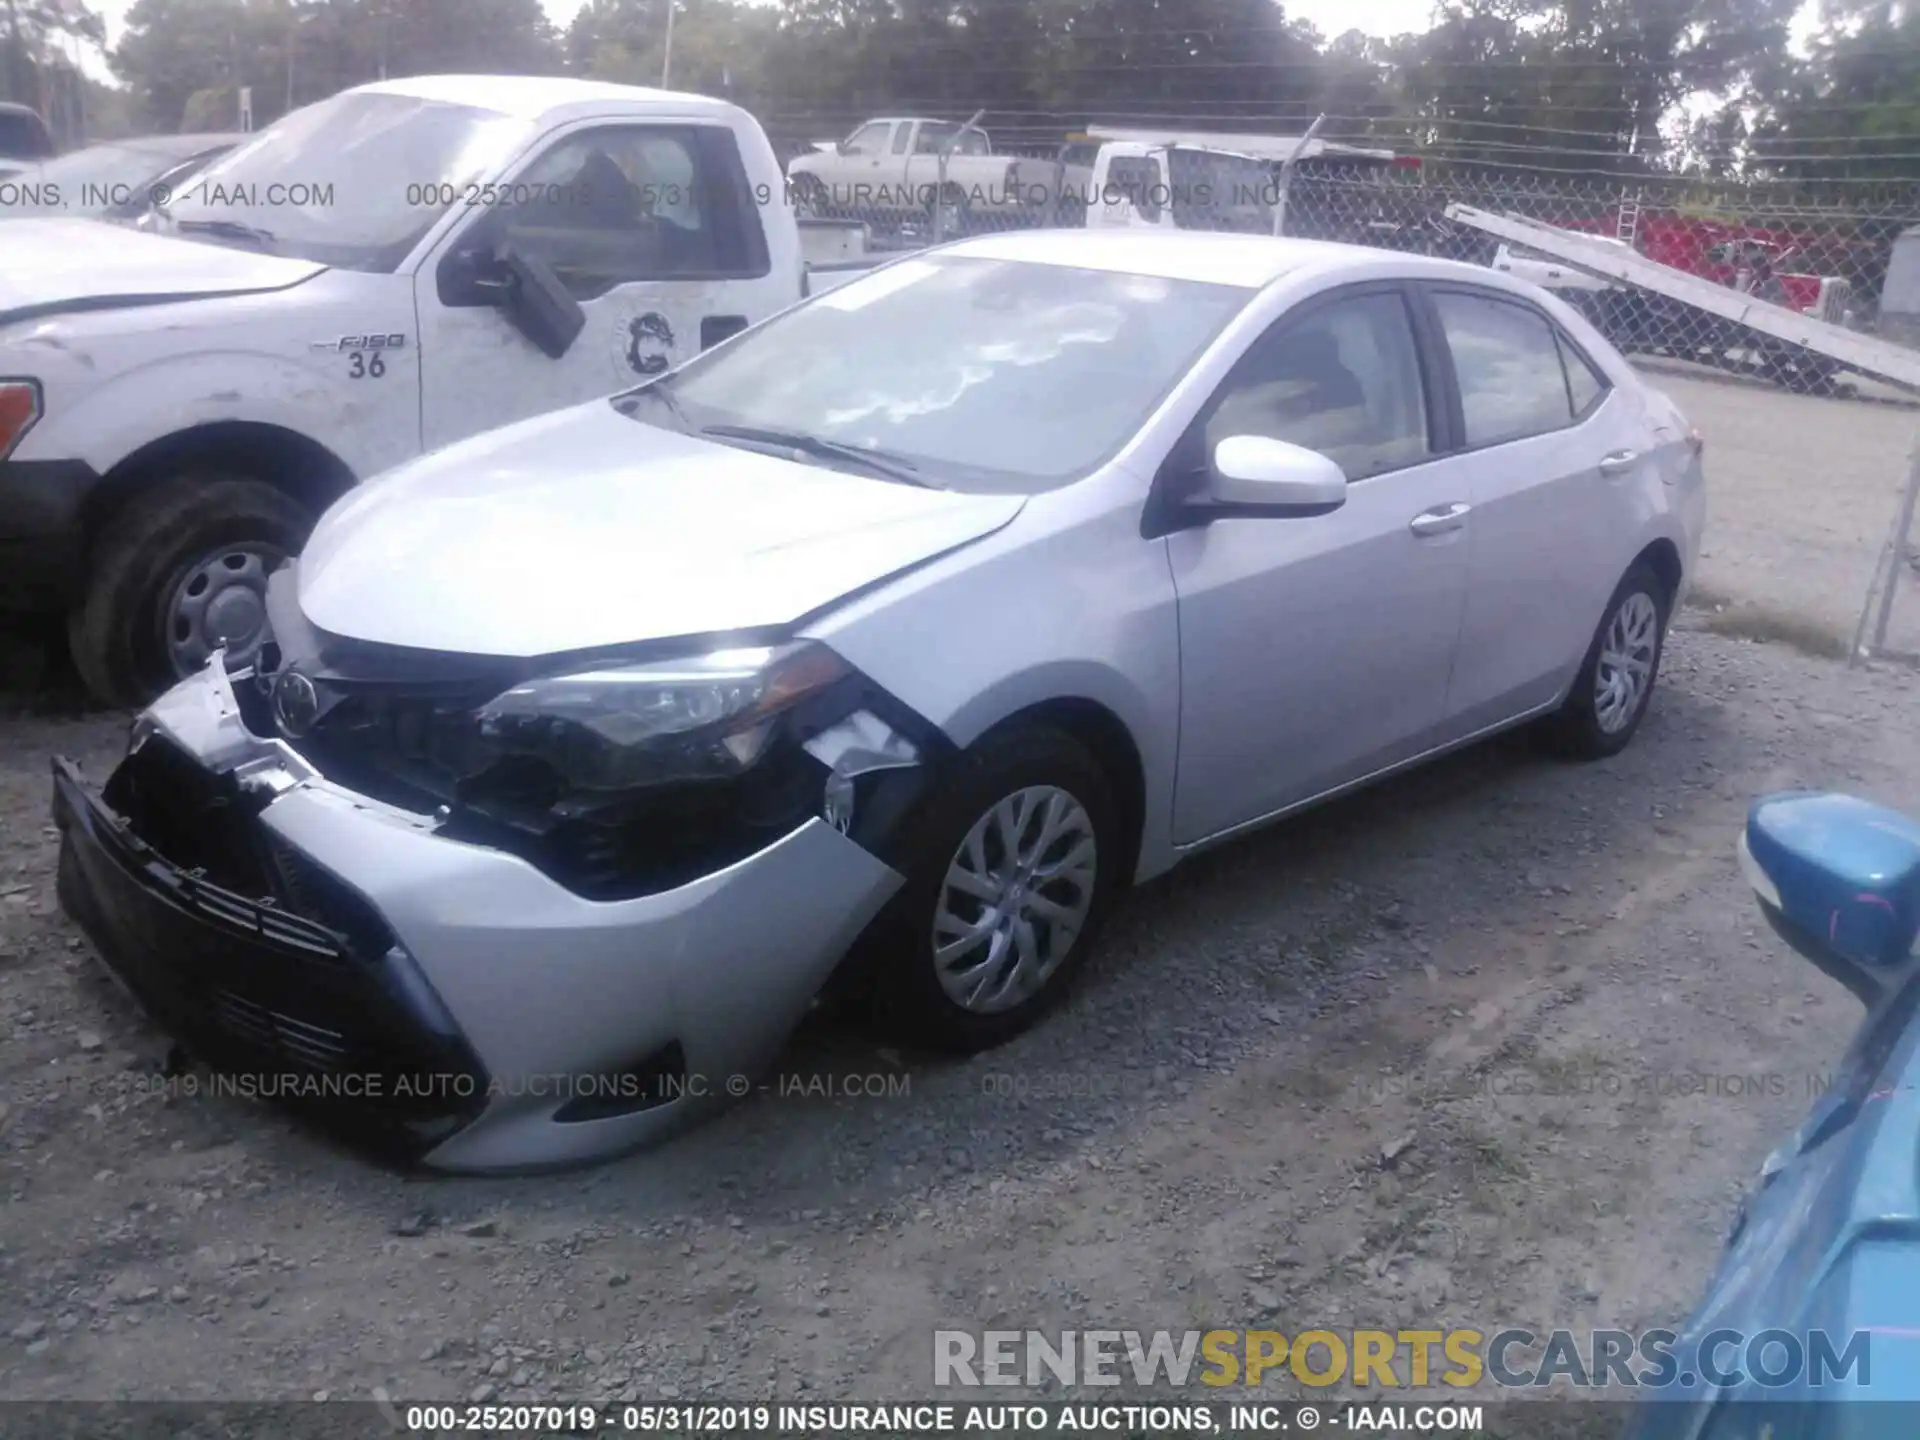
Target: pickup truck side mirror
x,y
521,286
538,303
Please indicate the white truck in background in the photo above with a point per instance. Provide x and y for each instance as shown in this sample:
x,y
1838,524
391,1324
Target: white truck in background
x,y
388,271
1204,180
892,169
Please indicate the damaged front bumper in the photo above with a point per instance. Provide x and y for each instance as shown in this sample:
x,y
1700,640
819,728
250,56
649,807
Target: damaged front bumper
x,y
445,1001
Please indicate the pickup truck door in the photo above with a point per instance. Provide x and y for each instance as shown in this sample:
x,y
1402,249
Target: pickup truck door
x,y
859,167
650,226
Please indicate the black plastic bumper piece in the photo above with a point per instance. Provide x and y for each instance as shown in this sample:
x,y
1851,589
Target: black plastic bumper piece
x,y
43,540
282,1007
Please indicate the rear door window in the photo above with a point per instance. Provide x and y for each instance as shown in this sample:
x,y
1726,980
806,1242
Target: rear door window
x,y
1518,375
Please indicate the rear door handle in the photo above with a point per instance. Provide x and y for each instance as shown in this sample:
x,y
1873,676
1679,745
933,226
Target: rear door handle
x,y
1439,520
1619,462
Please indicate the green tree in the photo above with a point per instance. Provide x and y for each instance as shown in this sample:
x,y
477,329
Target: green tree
x,y
35,69
1851,111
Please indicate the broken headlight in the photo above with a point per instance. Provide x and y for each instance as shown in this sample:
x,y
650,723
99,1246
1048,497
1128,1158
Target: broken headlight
x,y
639,726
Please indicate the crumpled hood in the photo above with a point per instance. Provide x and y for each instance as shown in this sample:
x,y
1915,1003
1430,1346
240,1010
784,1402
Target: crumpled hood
x,y
586,528
52,265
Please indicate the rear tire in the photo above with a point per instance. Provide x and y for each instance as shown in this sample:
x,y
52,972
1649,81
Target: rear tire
x,y
151,552
1611,693
1050,895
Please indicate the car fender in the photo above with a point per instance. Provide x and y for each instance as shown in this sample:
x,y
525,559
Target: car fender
x,y
115,381
1076,609
171,394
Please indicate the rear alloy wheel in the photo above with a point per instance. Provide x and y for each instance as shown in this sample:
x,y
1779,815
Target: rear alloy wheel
x,y
1009,875
1611,693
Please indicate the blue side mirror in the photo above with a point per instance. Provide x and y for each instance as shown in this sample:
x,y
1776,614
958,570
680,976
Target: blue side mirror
x,y
1839,879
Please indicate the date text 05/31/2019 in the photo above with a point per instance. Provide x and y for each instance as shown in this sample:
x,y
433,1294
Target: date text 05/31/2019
x,y
929,1419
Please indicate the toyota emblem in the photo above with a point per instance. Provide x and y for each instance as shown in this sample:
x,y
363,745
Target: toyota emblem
x,y
296,704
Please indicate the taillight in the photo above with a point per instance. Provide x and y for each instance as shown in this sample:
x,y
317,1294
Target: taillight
x,y
19,408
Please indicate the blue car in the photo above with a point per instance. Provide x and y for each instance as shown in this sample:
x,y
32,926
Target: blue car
x,y
1810,1329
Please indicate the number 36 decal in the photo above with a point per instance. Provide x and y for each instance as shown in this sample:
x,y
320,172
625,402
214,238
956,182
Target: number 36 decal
x,y
361,367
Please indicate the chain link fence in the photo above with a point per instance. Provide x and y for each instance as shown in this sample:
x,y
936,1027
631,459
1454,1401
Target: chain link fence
x,y
1838,251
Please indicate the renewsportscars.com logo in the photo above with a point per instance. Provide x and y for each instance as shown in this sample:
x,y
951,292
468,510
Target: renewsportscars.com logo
x,y
1396,1359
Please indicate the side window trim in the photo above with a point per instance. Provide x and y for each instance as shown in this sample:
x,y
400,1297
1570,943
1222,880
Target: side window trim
x,y
1571,354
1160,515
1442,358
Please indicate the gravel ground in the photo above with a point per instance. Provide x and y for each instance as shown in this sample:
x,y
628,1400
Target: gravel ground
x,y
1802,493
1498,1042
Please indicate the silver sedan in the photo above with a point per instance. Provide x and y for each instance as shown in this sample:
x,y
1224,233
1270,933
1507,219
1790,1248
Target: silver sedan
x,y
874,650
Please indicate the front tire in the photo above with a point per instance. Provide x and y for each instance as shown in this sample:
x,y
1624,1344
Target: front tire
x,y
1611,693
178,572
1011,870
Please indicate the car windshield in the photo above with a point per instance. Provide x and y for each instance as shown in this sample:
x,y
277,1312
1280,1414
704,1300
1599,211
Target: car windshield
x,y
353,181
86,181
980,374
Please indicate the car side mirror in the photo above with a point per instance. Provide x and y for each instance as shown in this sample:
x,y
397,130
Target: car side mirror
x,y
535,300
1256,475
1838,878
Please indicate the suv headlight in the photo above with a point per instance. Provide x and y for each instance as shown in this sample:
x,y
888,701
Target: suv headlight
x,y
20,407
630,727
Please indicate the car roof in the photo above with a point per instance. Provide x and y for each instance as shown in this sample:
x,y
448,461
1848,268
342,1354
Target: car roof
x,y
532,97
1250,262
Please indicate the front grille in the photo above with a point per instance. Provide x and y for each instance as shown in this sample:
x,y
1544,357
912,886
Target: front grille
x,y
310,1046
198,821
332,1017
232,868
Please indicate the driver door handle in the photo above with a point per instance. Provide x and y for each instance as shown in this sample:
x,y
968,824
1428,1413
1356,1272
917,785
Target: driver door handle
x,y
1619,462
1440,519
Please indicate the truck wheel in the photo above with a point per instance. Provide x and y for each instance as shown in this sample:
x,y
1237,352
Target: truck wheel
x,y
179,571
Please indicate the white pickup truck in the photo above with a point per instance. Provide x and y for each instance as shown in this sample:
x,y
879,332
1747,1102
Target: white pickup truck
x,y
891,168
390,270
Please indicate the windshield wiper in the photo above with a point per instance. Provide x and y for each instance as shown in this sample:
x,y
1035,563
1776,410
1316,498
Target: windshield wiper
x,y
227,230
889,467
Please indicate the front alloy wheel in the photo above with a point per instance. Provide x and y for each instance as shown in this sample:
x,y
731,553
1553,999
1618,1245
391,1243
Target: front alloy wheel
x,y
1010,867
1016,897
